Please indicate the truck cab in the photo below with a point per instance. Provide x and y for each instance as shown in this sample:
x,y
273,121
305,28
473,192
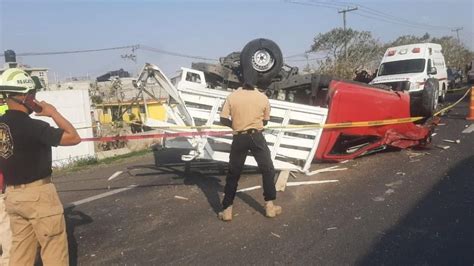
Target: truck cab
x,y
411,68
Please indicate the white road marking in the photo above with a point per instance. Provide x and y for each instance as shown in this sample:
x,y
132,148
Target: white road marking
x,y
292,184
249,188
469,129
115,175
99,196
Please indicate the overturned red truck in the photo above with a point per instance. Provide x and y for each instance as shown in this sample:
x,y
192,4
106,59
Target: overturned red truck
x,y
357,102
347,101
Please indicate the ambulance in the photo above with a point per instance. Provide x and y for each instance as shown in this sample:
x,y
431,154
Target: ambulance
x,y
418,69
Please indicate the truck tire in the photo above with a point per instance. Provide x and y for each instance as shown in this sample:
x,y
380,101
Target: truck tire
x,y
429,97
260,61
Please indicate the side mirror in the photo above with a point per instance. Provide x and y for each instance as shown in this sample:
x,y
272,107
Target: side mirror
x,y
433,71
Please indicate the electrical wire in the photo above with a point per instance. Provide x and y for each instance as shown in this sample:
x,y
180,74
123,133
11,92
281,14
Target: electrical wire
x,y
379,13
160,51
372,14
133,47
304,60
295,55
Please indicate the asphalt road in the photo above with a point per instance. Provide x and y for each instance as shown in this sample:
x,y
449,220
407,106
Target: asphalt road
x,y
408,207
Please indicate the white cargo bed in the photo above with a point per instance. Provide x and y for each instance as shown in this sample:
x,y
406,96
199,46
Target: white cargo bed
x,y
192,104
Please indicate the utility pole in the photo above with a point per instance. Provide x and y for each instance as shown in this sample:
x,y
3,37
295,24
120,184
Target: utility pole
x,y
344,11
457,32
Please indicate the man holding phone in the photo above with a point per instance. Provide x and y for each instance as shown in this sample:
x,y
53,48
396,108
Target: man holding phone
x,y
32,203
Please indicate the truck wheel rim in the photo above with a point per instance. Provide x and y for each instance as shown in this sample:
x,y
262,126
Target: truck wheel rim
x,y
262,60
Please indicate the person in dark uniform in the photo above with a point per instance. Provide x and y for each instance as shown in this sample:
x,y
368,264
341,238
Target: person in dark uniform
x,y
249,111
32,203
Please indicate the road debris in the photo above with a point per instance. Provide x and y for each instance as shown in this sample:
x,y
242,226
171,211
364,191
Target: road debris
x,y
395,184
412,155
434,134
401,173
275,235
329,169
179,197
116,174
331,228
452,141
443,147
378,199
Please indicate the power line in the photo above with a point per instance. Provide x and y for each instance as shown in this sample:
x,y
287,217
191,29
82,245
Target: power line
x,y
133,47
160,51
327,5
395,18
344,11
392,22
373,14
303,60
457,32
391,18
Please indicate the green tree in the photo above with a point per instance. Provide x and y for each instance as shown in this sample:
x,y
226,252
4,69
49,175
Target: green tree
x,y
363,52
96,99
408,39
455,54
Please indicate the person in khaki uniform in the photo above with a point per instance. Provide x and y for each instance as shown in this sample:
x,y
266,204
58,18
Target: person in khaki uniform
x,y
31,200
249,111
5,232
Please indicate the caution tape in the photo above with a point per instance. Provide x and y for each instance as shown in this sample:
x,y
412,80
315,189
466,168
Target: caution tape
x,y
460,89
222,133
454,104
201,129
158,135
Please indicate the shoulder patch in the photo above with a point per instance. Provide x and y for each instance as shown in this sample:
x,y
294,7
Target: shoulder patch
x,y
6,141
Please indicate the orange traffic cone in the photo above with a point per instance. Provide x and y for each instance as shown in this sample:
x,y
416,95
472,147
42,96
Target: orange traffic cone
x,y
471,106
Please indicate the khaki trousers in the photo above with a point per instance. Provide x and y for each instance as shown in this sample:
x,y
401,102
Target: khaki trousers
x,y
36,217
5,233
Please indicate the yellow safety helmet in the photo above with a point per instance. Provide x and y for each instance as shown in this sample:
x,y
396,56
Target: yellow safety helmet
x,y
17,81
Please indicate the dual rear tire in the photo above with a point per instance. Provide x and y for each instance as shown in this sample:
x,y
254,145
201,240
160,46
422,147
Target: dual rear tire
x,y
261,61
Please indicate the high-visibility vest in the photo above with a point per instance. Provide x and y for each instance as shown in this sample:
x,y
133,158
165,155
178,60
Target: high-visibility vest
x,y
3,109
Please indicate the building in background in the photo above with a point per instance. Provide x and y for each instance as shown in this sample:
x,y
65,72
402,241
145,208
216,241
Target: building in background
x,y
129,111
10,62
113,97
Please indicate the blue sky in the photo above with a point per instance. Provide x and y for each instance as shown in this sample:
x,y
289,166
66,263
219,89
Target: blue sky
x,y
204,28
